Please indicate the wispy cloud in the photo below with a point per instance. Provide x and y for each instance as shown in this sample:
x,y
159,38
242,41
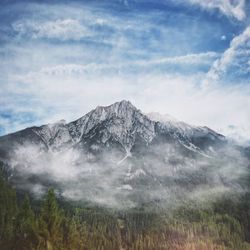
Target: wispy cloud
x,y
66,29
229,8
237,56
200,59
191,59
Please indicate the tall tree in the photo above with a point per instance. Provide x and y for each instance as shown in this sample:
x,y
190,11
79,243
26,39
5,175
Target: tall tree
x,y
50,222
8,211
26,227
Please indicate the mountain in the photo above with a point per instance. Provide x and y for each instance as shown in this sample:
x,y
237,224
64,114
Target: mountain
x,y
120,124
116,154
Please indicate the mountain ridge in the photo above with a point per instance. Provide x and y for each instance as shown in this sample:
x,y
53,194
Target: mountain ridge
x,y
123,121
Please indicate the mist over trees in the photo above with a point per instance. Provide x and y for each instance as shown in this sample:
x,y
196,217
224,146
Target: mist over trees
x,y
51,225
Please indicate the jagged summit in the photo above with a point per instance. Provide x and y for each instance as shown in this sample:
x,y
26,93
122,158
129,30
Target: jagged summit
x,y
123,104
120,109
121,122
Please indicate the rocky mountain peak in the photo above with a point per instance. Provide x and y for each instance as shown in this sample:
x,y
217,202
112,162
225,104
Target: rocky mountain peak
x,y
121,122
122,109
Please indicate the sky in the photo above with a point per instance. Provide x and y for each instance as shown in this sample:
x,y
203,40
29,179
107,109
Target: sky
x,y
186,58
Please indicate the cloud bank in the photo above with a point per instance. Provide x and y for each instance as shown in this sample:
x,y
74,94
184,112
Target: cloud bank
x,y
165,176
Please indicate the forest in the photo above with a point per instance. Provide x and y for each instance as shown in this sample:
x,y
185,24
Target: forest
x,y
53,225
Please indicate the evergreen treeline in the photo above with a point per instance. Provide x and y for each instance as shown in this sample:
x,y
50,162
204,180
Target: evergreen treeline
x,y
50,227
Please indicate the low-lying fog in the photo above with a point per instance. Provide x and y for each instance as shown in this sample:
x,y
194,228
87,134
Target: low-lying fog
x,y
163,178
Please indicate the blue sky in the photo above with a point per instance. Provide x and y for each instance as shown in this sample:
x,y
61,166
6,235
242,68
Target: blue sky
x,y
187,58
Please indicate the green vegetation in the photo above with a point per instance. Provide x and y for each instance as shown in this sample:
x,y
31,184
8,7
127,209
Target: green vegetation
x,y
225,225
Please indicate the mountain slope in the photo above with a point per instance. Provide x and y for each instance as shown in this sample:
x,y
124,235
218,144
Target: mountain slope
x,y
116,154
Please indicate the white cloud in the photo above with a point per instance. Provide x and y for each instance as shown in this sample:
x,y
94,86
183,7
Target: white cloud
x,y
69,69
59,29
227,7
97,26
198,59
237,54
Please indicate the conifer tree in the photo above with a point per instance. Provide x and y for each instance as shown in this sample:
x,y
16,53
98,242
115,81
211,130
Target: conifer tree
x,y
26,227
50,222
8,210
